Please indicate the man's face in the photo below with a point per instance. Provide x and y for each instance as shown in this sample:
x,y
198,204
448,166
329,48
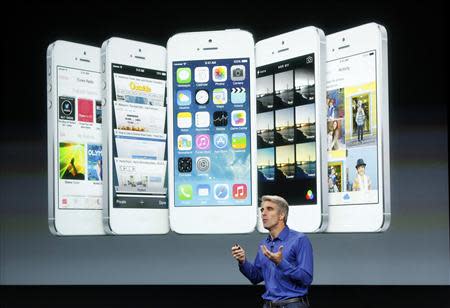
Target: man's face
x,y
270,214
361,170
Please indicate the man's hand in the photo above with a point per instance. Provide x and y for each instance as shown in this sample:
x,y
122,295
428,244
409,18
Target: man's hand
x,y
275,257
238,253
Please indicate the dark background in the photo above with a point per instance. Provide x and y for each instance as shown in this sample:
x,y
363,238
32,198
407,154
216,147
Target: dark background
x,y
400,268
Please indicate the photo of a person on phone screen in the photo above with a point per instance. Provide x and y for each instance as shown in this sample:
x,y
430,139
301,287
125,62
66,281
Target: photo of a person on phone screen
x,y
360,121
335,136
362,181
331,112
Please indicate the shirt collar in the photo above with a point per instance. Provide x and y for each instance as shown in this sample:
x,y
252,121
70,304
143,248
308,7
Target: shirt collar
x,y
282,236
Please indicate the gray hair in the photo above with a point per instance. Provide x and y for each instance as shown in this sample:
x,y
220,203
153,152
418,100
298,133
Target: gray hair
x,y
283,206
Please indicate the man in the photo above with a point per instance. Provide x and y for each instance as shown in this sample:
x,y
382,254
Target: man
x,y
360,119
362,181
331,113
284,260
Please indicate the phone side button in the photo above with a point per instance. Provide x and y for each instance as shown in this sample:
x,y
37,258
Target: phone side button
x,y
104,102
49,87
104,85
49,104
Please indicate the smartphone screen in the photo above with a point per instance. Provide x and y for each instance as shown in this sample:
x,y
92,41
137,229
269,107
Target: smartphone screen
x,y
352,129
79,139
212,148
139,139
286,130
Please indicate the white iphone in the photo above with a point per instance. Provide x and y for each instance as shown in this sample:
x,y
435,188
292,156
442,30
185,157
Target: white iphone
x,y
134,139
211,132
74,139
290,94
358,130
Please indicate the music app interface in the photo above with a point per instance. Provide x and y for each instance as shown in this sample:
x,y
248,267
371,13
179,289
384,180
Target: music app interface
x,y
211,122
79,139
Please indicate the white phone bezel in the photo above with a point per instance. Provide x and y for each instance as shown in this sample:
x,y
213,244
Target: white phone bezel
x,y
123,220
290,45
233,43
366,217
64,221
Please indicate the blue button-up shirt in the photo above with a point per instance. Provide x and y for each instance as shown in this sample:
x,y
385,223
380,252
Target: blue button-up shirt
x,y
292,276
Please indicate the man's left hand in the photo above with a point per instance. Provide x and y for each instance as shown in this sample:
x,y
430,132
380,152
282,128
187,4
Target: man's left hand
x,y
275,257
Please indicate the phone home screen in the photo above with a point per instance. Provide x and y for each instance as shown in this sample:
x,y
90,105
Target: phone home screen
x,y
286,130
212,133
352,129
79,139
139,139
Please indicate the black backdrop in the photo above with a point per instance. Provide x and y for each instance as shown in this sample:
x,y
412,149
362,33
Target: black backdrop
x,y
418,80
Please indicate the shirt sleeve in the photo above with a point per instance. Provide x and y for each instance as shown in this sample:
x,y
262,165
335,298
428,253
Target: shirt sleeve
x,y
252,271
303,271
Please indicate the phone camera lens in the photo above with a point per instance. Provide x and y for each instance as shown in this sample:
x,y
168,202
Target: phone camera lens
x,y
84,53
139,50
282,42
210,40
343,39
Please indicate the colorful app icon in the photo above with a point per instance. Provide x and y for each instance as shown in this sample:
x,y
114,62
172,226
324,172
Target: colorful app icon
x,y
237,72
184,97
202,119
219,73
184,119
220,118
239,191
220,96
202,97
203,190
238,95
201,74
185,192
238,141
238,118
184,164
184,142
221,141
203,142
183,75
221,191
309,195
203,164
